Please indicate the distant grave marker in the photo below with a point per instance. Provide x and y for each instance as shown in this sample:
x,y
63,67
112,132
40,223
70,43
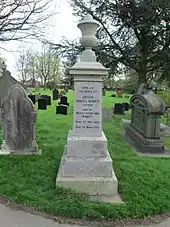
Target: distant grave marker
x,y
63,101
118,108
55,94
107,114
42,105
33,98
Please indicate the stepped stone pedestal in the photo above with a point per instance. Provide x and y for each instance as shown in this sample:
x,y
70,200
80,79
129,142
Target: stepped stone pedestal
x,y
86,165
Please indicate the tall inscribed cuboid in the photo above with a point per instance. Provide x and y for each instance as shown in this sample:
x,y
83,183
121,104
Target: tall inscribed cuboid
x,y
86,165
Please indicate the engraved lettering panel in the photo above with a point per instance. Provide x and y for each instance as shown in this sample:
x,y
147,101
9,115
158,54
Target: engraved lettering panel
x,y
87,107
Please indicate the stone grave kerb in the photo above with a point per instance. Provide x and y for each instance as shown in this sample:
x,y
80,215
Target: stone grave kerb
x,y
86,165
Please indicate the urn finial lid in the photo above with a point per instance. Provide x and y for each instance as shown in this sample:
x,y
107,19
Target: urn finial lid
x,y
88,19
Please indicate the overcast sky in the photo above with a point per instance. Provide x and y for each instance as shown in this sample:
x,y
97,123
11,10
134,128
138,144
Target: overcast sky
x,y
62,24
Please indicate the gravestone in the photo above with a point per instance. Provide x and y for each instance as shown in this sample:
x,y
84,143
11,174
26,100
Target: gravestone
x,y
47,98
63,101
33,98
6,83
42,105
62,93
113,95
107,114
143,132
61,109
86,165
118,108
126,106
55,94
18,124
165,129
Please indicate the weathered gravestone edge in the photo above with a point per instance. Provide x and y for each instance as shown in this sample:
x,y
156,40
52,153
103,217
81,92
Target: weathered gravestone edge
x,y
18,124
143,131
137,149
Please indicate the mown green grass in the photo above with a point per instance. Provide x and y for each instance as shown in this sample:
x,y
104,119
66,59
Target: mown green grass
x,y
144,183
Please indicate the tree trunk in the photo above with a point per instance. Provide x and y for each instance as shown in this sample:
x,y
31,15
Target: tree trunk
x,y
142,72
45,84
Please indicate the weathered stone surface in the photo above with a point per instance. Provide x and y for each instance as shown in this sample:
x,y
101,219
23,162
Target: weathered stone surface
x,y
6,83
143,132
84,177
18,123
86,165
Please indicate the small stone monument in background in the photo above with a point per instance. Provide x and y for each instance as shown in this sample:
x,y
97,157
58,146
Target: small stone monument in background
x,y
86,165
55,94
107,114
18,124
165,129
143,131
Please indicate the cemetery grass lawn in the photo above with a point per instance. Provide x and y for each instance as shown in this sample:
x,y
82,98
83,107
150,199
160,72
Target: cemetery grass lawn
x,y
144,183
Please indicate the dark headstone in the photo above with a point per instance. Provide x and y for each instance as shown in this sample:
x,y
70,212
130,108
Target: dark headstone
x,y
113,95
63,101
118,108
47,98
126,106
55,94
42,104
61,109
33,98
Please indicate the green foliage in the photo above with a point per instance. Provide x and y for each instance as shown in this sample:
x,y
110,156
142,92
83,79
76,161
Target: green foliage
x,y
43,66
143,182
133,34
165,96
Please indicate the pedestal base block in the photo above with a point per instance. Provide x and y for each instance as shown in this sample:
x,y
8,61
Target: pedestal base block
x,y
5,150
90,173
103,186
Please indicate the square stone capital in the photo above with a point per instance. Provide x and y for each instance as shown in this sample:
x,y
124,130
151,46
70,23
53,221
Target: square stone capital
x,y
88,68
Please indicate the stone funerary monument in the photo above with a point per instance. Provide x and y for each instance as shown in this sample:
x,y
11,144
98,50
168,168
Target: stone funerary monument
x,y
18,123
86,165
143,132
